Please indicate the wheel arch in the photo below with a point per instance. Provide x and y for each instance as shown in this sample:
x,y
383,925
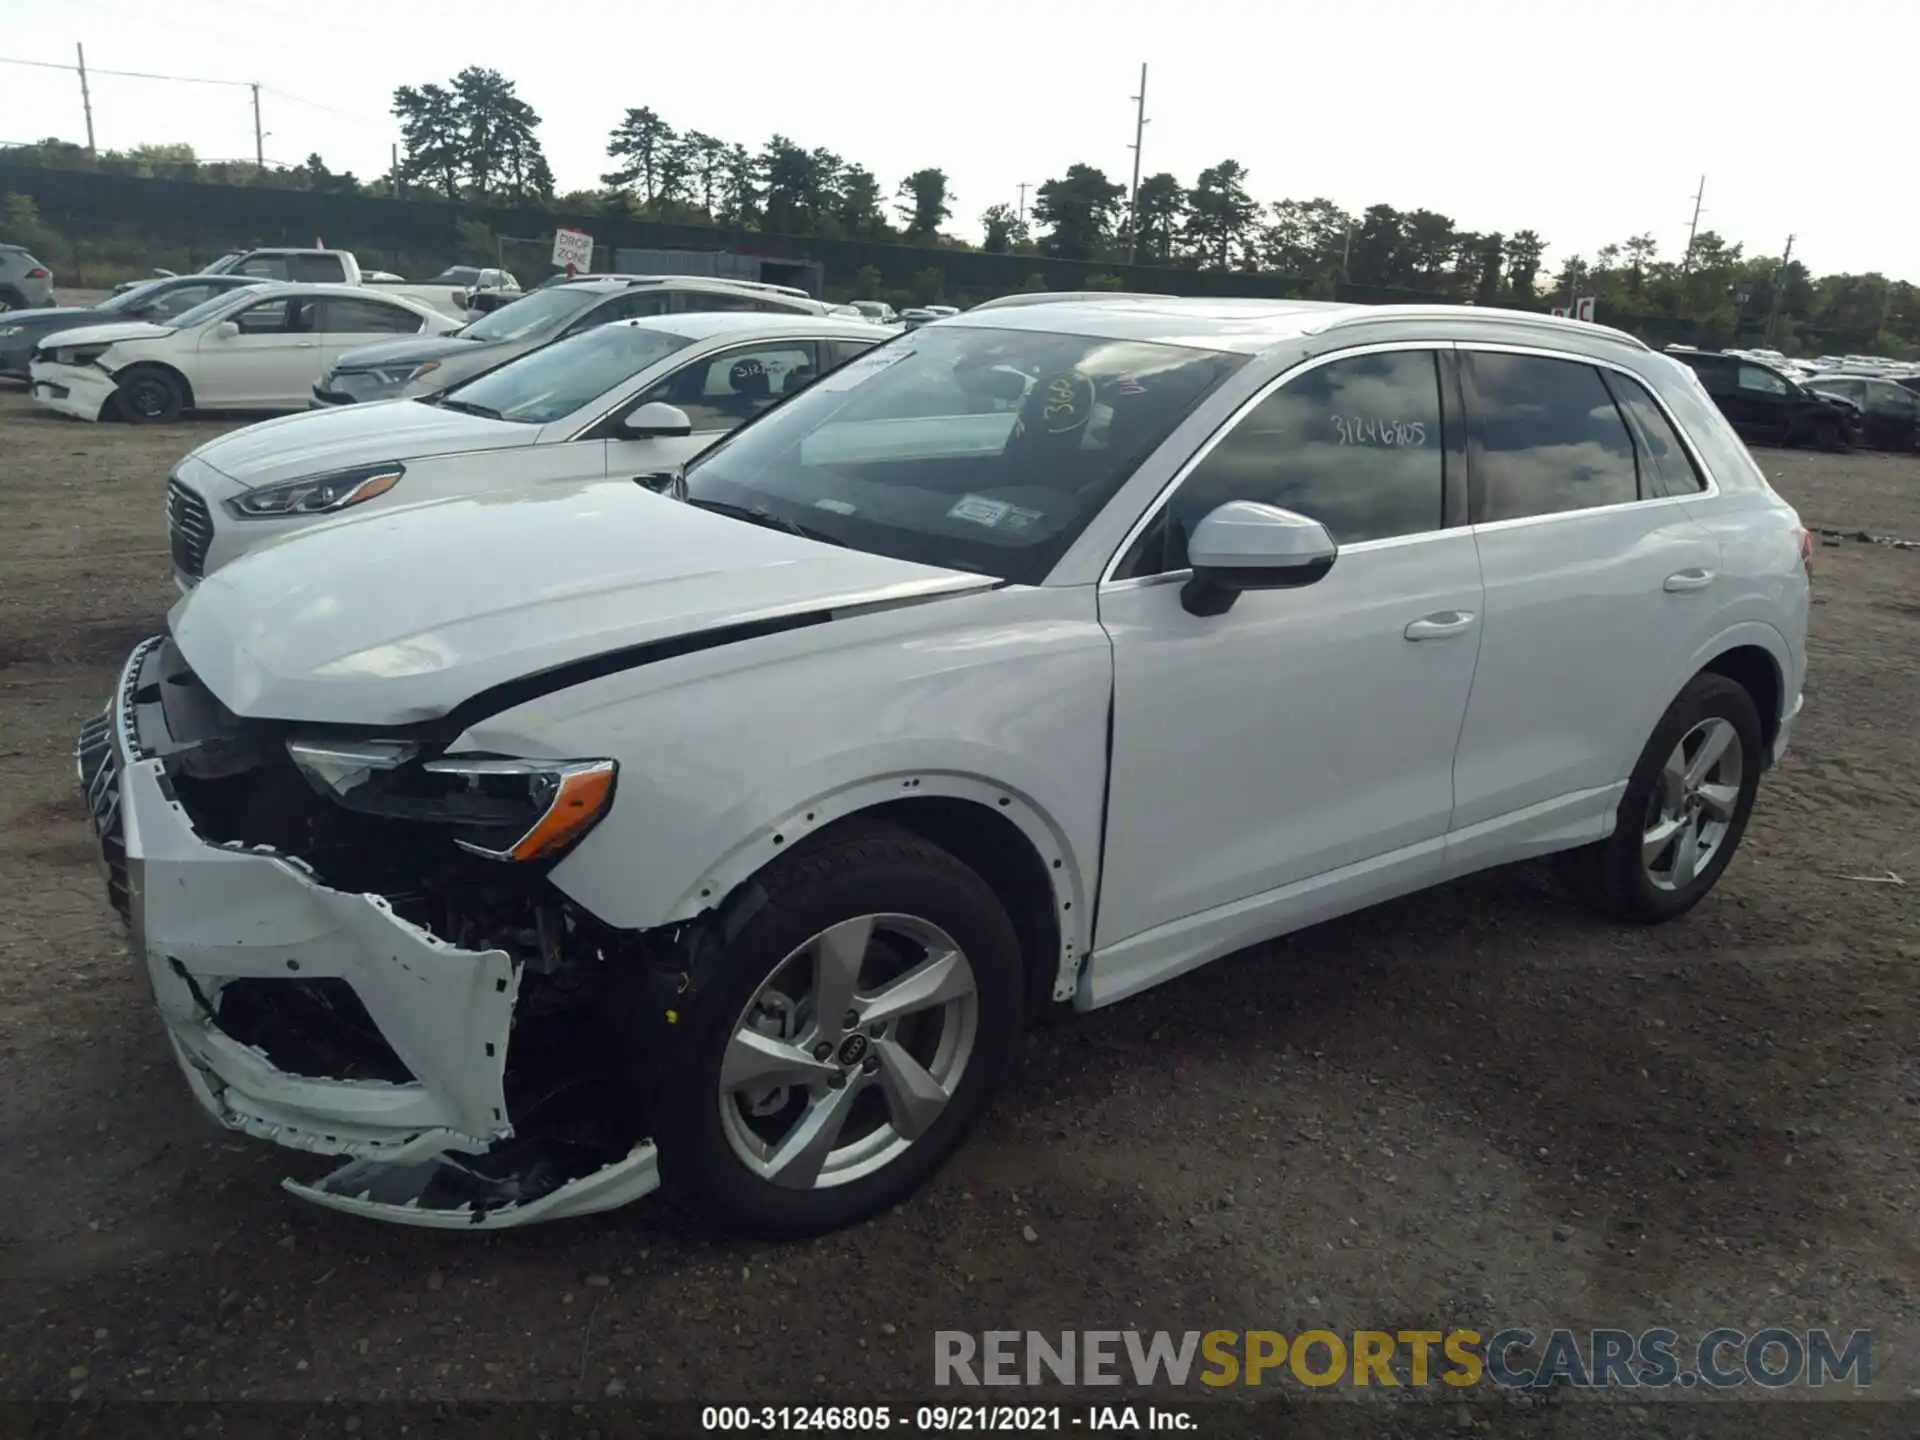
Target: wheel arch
x,y
994,829
1754,656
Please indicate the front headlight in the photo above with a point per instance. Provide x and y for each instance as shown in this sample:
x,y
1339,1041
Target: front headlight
x,y
498,809
398,375
320,495
79,354
8,331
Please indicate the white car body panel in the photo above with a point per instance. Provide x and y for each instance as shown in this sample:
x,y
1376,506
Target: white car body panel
x,y
271,638
245,371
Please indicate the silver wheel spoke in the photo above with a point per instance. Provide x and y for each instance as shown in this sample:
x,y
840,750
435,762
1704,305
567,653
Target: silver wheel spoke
x,y
1673,782
797,1159
937,980
761,1062
914,1098
837,957
1719,800
1659,838
1686,854
1712,746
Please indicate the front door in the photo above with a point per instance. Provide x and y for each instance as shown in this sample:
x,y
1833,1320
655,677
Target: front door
x,y
1304,734
1598,584
259,366
720,392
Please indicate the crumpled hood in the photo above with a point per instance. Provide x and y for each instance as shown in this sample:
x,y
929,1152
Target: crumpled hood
x,y
411,351
398,616
314,442
109,334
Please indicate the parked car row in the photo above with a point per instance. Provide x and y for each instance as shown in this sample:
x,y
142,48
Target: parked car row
x,y
689,753
1830,410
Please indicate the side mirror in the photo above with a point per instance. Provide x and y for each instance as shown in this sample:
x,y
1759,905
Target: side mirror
x,y
227,329
1245,545
159,274
670,483
656,420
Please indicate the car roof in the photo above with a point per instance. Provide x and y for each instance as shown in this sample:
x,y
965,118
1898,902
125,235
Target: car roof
x,y
1250,326
705,324
319,288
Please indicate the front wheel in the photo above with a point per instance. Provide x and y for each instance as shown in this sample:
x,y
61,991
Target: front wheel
x,y
1684,812
149,396
866,1010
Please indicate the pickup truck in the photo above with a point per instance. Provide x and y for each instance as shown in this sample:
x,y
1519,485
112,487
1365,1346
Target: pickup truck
x,y
339,267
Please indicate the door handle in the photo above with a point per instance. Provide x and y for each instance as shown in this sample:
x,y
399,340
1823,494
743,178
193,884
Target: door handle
x,y
1438,627
1683,580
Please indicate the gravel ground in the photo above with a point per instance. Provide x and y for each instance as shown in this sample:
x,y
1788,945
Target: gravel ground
x,y
1477,1107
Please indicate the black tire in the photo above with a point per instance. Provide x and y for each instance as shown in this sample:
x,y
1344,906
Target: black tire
x,y
149,395
11,299
1832,438
869,869
1611,876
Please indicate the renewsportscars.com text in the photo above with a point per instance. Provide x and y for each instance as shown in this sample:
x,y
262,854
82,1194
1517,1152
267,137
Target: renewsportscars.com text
x,y
1512,1358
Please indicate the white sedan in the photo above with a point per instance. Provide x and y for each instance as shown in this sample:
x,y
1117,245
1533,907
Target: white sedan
x,y
260,348
626,400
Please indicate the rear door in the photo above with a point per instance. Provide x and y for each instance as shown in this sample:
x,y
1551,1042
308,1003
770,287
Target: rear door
x,y
1598,588
1892,415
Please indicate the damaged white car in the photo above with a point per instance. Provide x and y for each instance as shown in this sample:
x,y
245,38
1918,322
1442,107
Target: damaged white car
x,y
538,849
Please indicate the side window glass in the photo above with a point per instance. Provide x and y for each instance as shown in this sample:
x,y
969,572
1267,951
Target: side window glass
x,y
1889,400
341,316
1718,376
839,352
267,318
724,391
1667,469
709,300
325,269
1355,444
178,302
1549,438
624,307
265,267
1765,382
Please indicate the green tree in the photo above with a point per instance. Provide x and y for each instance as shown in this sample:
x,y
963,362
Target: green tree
x,y
430,138
475,138
1160,207
1489,254
706,160
1525,250
742,196
856,204
642,142
798,185
1307,238
1221,215
927,207
1079,210
1005,229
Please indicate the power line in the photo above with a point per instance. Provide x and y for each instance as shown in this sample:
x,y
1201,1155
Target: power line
x,y
123,74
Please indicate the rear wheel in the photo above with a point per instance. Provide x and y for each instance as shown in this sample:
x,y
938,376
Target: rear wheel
x,y
11,300
149,395
867,1009
1684,812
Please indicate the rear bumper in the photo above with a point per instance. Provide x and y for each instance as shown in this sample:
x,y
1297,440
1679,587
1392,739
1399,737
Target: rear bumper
x,y
1789,719
203,917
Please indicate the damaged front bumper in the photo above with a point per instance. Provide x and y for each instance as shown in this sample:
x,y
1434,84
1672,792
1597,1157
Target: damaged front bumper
x,y
213,921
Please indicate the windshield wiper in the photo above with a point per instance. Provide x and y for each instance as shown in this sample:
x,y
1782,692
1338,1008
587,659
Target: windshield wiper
x,y
755,515
467,407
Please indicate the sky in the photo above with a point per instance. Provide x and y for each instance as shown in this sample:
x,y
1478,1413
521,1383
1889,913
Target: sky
x,y
1585,122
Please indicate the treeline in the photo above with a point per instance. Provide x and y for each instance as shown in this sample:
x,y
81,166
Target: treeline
x,y
474,141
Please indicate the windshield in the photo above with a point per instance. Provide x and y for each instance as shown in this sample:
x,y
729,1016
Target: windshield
x,y
542,310
225,263
972,448
127,299
207,309
561,378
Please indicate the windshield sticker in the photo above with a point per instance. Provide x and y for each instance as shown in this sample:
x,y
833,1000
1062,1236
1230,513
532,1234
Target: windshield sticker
x,y
1127,385
858,372
838,507
994,514
1069,404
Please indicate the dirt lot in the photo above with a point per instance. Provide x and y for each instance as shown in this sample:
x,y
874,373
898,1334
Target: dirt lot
x,y
1478,1107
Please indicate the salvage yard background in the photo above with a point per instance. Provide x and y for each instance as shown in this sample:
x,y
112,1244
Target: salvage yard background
x,y
1478,1107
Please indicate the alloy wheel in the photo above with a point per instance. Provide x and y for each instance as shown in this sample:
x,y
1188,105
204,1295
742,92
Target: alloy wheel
x,y
1693,804
849,1051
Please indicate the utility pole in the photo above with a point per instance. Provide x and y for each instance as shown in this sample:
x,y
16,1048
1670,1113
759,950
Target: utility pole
x,y
1779,279
259,140
393,175
86,99
1133,200
1693,228
1021,213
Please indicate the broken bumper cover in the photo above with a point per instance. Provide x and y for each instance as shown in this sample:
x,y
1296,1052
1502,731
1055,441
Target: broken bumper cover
x,y
202,916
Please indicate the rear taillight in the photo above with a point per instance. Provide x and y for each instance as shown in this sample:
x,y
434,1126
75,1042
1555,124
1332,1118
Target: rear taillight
x,y
40,272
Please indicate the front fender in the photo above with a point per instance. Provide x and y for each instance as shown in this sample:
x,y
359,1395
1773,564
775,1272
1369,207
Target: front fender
x,y
729,756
